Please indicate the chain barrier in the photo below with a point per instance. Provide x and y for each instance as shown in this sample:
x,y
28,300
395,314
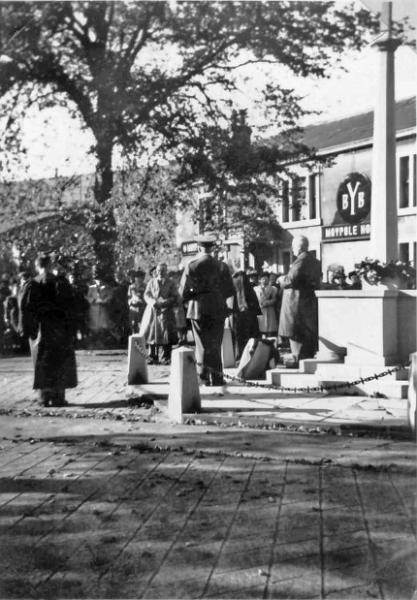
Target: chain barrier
x,y
299,389
306,389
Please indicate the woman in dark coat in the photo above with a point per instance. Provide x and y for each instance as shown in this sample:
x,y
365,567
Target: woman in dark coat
x,y
48,322
298,318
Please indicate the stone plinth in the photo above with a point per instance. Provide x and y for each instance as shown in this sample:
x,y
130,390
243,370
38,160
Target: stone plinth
x,y
374,327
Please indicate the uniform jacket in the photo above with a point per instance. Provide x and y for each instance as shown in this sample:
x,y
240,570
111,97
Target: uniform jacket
x,y
298,318
205,285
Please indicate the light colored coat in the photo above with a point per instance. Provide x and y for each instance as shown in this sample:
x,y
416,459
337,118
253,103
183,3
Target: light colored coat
x,y
267,298
158,323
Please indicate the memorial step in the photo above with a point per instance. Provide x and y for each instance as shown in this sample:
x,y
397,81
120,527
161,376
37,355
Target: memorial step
x,y
354,372
394,385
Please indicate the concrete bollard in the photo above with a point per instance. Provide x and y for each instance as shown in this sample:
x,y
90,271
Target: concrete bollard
x,y
184,393
137,370
228,353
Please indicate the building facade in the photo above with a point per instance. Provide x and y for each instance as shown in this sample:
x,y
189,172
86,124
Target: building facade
x,y
331,204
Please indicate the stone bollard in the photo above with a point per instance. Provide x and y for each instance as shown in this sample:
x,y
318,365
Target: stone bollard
x,y
228,353
137,371
184,393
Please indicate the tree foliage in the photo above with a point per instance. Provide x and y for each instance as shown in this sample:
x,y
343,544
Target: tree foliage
x,y
157,78
55,216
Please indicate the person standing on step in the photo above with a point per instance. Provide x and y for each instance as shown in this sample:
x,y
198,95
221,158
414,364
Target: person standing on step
x,y
206,286
299,314
48,322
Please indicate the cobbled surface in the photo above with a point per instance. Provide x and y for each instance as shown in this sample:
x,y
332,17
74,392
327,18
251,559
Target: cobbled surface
x,y
96,519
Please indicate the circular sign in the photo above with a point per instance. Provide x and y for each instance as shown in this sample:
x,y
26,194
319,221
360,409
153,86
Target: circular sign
x,y
354,198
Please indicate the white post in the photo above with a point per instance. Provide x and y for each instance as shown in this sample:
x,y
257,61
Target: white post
x,y
184,393
228,353
137,370
384,226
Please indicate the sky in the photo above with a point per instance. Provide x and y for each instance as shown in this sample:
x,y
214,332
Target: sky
x,y
56,145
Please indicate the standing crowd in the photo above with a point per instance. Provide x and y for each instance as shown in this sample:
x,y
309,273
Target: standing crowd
x,y
55,312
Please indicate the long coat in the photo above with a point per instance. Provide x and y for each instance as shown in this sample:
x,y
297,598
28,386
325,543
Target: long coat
x,y
158,323
47,319
298,318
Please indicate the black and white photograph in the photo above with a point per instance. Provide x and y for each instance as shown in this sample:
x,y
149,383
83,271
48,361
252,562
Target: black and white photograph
x,y
208,361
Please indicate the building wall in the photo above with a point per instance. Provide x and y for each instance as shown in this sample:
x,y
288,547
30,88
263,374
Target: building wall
x,y
319,200
350,251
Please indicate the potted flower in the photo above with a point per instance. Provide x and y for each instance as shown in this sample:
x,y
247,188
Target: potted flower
x,y
391,275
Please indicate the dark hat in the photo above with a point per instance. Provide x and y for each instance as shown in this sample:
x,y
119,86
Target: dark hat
x,y
206,239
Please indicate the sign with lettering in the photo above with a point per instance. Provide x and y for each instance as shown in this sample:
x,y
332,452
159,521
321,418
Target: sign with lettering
x,y
189,248
353,203
361,231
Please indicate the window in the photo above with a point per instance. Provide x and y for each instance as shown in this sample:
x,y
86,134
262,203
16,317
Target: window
x,y
404,252
404,181
298,195
407,181
407,252
285,202
312,196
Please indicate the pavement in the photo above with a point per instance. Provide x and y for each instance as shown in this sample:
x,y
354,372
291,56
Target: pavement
x,y
102,387
265,497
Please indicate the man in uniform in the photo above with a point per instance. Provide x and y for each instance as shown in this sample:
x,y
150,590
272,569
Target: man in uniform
x,y
206,285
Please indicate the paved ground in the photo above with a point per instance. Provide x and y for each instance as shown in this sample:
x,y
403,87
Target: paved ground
x,y
103,392
123,504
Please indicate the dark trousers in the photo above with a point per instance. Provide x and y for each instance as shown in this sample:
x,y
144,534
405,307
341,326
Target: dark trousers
x,y
208,336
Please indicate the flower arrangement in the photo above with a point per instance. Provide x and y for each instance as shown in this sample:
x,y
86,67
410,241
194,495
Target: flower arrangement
x,y
375,272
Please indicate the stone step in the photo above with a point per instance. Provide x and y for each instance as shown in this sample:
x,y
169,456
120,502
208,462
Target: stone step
x,y
386,387
353,372
310,365
290,378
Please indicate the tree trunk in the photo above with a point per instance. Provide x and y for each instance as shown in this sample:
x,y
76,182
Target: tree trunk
x,y
104,227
